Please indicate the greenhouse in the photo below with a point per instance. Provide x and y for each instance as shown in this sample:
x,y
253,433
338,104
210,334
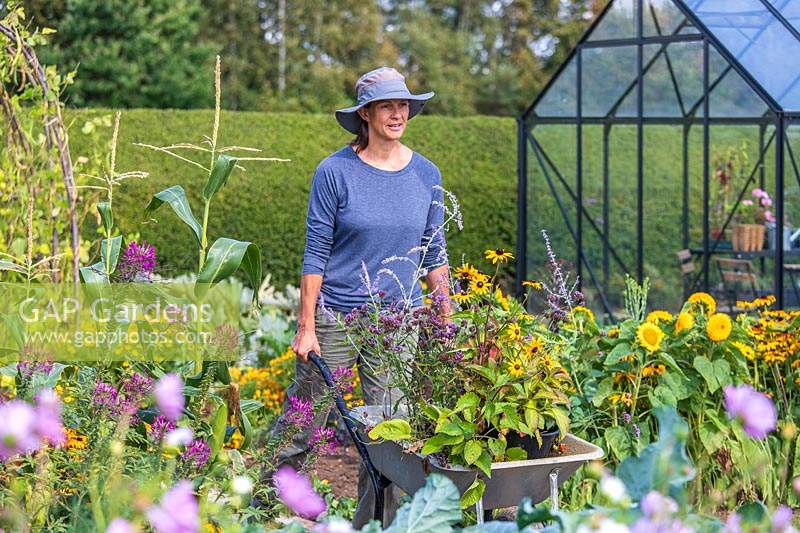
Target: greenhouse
x,y
666,147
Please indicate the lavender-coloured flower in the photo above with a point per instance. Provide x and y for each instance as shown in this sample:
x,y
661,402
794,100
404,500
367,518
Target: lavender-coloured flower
x,y
160,427
323,441
301,412
177,512
48,418
296,491
135,388
29,368
169,396
733,524
120,525
343,377
754,409
196,454
655,505
179,437
138,261
17,429
105,396
782,520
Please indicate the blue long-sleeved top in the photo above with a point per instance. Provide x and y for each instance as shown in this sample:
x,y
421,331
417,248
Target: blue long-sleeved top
x,y
358,214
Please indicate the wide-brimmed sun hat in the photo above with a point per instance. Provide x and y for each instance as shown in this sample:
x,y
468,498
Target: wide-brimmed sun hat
x,y
383,83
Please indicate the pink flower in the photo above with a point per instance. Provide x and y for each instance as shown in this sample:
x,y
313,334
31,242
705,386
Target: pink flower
x,y
323,441
17,429
48,418
120,525
759,193
755,410
178,511
296,492
747,203
169,396
782,520
769,216
766,201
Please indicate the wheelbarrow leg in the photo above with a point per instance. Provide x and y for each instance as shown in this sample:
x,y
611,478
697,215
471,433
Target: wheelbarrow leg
x,y
554,490
479,511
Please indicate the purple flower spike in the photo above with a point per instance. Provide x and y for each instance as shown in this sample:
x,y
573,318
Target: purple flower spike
x,y
160,427
323,441
296,491
755,410
138,261
105,396
169,396
197,454
301,412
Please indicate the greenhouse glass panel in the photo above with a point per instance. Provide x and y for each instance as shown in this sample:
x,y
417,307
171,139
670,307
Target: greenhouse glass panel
x,y
560,100
607,74
759,41
619,22
662,17
790,9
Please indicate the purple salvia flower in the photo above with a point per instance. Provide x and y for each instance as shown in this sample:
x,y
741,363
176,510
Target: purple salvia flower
x,y
301,412
754,409
138,261
160,427
197,454
323,441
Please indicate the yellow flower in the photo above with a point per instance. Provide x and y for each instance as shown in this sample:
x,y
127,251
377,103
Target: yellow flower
x,y
649,336
513,331
502,300
653,370
624,397
619,377
535,285
516,368
718,327
745,350
706,300
462,297
76,441
499,254
684,322
533,348
658,316
583,310
465,272
763,301
480,285
613,333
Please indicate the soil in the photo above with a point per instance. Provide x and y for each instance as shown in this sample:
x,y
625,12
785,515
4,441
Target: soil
x,y
341,471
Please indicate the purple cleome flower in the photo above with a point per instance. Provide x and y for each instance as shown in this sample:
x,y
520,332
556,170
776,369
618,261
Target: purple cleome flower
x,y
105,396
754,409
29,368
343,377
160,427
138,261
301,412
323,441
197,454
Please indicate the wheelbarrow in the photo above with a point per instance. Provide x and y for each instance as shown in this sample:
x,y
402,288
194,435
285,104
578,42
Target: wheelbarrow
x,y
387,463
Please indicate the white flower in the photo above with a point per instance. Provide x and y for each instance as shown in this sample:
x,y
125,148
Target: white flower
x,y
613,488
179,437
242,485
335,525
604,525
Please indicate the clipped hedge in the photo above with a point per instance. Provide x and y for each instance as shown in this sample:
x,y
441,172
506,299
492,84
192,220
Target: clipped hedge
x,y
267,203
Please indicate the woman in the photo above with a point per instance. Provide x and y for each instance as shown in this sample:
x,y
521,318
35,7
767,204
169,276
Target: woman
x,y
371,200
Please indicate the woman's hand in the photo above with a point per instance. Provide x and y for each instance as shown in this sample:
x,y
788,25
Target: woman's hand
x,y
304,342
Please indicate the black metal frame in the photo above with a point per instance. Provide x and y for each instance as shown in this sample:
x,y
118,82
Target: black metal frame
x,y
775,117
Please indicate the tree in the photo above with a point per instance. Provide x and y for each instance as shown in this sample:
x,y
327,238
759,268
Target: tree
x,y
143,53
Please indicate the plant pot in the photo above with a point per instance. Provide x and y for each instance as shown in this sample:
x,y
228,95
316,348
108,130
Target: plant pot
x,y
748,237
531,445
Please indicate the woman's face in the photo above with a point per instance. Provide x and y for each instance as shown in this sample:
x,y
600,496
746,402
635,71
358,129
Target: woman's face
x,y
387,118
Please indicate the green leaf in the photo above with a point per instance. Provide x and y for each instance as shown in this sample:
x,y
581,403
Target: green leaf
x,y
604,389
249,406
662,395
223,167
722,372
225,257
218,429
452,428
497,446
439,441
95,273
473,493
467,401
8,265
618,441
528,515
532,418
175,196
617,353
222,372
395,429
430,411
516,454
104,208
706,369
435,508
247,432
711,439
112,255
484,462
676,385
472,451
561,418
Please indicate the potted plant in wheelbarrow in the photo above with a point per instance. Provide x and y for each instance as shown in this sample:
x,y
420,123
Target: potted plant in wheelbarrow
x,y
480,393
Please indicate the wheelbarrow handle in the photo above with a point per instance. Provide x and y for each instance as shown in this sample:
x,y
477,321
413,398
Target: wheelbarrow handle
x,y
379,481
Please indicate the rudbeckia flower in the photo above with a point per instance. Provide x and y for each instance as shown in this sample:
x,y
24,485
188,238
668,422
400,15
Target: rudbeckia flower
x,y
500,254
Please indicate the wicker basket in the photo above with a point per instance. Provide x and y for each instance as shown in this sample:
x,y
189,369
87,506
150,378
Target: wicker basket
x,y
748,237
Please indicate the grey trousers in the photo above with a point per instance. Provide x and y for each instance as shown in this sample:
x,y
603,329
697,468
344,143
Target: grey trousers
x,y
308,383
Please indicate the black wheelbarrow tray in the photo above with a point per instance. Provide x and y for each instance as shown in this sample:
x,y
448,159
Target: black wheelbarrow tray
x,y
511,481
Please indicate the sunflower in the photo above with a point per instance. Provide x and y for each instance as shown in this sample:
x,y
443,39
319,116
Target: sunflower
x,y
500,254
502,300
706,300
658,316
649,336
516,368
583,310
718,327
513,332
684,322
613,333
479,285
745,350
465,272
534,348
535,285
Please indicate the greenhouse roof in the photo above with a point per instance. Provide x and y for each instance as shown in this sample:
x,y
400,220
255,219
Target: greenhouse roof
x,y
753,63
